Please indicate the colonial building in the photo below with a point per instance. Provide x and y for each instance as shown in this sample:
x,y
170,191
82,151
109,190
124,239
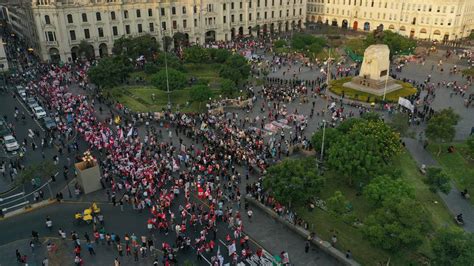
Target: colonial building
x,y
431,19
60,25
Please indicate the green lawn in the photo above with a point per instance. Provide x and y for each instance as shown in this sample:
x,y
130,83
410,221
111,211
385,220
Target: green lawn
x,y
337,88
139,99
350,237
457,165
207,72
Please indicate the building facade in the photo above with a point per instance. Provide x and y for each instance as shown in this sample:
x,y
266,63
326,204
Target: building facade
x,y
442,20
62,24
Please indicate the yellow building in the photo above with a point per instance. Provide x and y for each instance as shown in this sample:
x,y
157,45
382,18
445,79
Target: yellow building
x,y
431,19
62,24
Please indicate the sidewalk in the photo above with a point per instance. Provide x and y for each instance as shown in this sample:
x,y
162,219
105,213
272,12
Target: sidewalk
x,y
453,200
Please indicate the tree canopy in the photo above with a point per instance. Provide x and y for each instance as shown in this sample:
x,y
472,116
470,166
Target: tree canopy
x,y
196,54
396,42
200,93
235,68
441,126
364,151
110,71
453,246
176,79
384,190
293,181
135,47
438,180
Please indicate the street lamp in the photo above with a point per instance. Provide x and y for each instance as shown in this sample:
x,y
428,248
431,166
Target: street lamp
x,y
322,144
166,69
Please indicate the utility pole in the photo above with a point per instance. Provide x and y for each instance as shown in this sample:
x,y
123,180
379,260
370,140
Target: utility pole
x,y
166,69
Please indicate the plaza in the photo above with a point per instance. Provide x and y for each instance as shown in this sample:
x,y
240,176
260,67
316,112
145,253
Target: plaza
x,y
185,174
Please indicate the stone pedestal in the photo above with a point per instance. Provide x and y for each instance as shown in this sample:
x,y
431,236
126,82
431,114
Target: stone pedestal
x,y
88,176
374,73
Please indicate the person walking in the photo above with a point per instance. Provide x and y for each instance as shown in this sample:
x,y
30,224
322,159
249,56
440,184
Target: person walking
x,y
90,248
49,223
249,214
306,246
116,262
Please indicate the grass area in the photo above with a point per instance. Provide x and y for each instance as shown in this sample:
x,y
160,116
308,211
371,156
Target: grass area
x,y
206,72
338,88
139,99
349,237
457,165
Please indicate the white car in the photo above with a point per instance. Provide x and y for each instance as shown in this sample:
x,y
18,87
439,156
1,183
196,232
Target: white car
x,y
10,143
39,112
22,94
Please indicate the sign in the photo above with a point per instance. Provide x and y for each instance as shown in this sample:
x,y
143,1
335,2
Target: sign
x,y
406,103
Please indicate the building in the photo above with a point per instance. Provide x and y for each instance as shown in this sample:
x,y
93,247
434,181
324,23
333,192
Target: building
x,y
440,20
60,25
3,58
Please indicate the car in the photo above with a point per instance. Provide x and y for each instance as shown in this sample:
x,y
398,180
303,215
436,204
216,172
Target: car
x,y
22,94
10,143
39,112
4,129
19,88
49,123
32,103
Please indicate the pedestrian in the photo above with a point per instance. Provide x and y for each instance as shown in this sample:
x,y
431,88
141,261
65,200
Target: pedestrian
x,y
306,246
333,240
45,262
116,262
32,246
249,214
120,249
90,248
348,254
18,255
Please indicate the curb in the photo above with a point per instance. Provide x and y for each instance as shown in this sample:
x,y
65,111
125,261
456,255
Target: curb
x,y
323,245
32,207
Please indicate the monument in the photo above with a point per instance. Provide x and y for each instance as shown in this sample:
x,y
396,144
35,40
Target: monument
x,y
88,174
374,75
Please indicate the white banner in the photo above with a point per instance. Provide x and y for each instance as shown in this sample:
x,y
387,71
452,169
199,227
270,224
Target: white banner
x,y
406,103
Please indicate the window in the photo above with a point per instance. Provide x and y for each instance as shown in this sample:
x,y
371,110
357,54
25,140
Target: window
x,y
114,30
250,4
163,25
195,9
185,24
266,2
84,17
162,10
273,2
125,14
184,10
47,20
50,36
112,15
240,5
232,5
175,24
150,12
250,16
72,34
139,28
224,19
195,22
87,34
265,15
100,32
173,11
127,29
273,14
69,18
139,13
240,17
258,3
231,18
223,6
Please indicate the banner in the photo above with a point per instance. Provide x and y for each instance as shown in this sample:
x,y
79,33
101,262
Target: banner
x,y
406,103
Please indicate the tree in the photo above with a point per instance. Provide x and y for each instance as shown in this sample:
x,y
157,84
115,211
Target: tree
x,y
279,43
385,189
331,135
337,204
176,80
220,55
364,150
41,171
293,181
441,127
395,42
468,72
453,246
167,41
86,50
235,68
110,71
196,54
200,94
401,224
438,180
180,39
133,48
399,123
228,88
470,146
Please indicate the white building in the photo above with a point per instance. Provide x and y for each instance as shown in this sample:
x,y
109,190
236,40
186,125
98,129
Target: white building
x,y
430,19
60,25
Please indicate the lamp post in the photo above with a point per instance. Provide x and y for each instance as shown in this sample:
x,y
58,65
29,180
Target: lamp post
x,y
166,70
322,144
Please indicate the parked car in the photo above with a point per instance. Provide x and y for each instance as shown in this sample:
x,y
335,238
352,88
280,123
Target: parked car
x,y
32,103
39,112
10,143
49,123
4,129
